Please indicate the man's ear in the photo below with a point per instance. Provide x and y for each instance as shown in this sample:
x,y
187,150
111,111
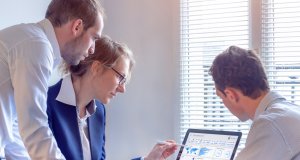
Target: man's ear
x,y
232,94
77,27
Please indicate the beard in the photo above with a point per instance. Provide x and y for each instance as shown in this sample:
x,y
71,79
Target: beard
x,y
71,53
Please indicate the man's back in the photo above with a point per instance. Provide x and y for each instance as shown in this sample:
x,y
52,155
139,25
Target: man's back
x,y
275,131
10,38
27,58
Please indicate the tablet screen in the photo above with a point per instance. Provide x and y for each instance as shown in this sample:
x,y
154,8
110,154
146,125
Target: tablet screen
x,y
209,145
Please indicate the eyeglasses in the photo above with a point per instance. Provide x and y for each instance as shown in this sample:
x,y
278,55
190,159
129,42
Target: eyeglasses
x,y
122,79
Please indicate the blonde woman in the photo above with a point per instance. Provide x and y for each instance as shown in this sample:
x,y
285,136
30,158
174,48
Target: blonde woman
x,y
75,104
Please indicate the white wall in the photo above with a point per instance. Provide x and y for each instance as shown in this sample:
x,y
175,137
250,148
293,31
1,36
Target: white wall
x,y
148,111
19,11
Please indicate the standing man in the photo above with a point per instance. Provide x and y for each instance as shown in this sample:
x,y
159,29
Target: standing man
x,y
28,54
241,83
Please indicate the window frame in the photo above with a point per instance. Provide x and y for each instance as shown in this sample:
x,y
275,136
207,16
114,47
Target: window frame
x,y
255,32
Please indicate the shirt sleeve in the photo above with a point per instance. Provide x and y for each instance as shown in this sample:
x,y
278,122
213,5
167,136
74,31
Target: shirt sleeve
x,y
30,71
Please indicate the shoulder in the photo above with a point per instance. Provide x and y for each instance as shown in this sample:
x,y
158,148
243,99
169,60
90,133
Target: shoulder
x,y
31,32
278,124
27,39
280,114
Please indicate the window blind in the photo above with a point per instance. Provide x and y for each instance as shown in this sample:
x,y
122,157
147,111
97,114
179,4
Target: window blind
x,y
207,28
281,46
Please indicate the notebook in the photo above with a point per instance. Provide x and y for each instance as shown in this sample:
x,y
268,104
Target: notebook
x,y
209,145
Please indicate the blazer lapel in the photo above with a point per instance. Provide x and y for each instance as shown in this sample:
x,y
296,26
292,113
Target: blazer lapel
x,y
95,136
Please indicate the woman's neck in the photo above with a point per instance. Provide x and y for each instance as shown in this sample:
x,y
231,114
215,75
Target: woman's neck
x,y
82,99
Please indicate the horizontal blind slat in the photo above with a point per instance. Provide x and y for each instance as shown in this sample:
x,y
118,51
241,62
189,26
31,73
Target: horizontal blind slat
x,y
280,46
207,28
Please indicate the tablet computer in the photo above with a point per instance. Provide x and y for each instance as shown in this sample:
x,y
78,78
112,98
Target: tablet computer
x,y
201,144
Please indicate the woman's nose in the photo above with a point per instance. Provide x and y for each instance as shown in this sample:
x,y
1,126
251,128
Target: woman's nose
x,y
121,88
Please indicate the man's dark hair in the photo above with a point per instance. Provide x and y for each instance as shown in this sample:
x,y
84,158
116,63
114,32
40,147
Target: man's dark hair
x,y
240,69
59,12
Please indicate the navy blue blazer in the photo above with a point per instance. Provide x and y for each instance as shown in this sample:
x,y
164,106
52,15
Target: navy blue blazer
x,y
63,122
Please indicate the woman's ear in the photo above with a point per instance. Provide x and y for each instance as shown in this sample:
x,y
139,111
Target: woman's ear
x,y
232,94
96,67
77,27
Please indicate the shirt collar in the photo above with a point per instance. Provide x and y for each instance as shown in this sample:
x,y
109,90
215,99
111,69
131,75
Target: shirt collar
x,y
67,95
267,101
90,109
49,31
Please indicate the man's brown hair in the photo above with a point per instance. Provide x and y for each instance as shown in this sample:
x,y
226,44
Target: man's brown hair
x,y
240,69
59,12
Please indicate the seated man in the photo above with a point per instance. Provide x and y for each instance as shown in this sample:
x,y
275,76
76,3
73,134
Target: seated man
x,y
241,83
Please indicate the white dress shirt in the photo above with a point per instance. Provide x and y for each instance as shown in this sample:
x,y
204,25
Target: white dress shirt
x,y
67,95
28,55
